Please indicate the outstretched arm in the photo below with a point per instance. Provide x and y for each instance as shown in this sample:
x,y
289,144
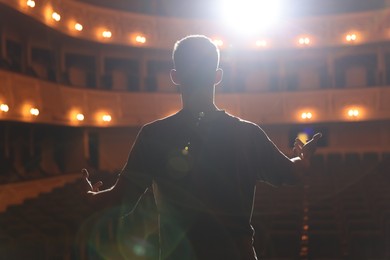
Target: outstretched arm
x,y
123,193
93,190
131,184
100,198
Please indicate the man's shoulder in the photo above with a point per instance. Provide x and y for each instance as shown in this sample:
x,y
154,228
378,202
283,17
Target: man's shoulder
x,y
242,123
160,123
226,120
248,130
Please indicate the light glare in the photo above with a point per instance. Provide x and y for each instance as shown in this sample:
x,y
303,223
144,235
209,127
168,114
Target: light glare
x,y
56,16
218,42
140,39
261,43
80,117
351,37
34,111
4,108
30,3
251,16
107,34
303,137
306,115
304,41
353,113
106,118
78,27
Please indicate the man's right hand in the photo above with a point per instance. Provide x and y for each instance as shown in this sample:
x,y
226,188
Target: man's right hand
x,y
89,188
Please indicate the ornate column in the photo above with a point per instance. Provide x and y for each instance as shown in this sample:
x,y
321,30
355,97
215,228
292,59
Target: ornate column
x,y
100,70
3,49
282,84
59,61
143,72
330,69
26,54
380,75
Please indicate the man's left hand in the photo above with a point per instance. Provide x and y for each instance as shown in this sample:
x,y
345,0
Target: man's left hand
x,y
306,151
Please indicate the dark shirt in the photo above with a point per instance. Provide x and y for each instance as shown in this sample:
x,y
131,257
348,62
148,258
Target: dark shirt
x,y
204,170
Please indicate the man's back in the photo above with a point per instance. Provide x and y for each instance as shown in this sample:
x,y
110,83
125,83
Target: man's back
x,y
205,170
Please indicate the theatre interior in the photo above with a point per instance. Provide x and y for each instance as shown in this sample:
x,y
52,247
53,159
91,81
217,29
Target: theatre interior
x,y
79,78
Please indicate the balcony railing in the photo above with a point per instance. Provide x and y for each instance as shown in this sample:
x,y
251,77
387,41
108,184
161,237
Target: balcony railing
x,y
110,26
59,104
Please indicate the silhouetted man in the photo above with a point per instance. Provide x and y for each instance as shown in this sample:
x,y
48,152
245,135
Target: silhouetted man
x,y
203,165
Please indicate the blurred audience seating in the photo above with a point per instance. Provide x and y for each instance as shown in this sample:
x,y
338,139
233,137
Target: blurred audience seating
x,y
346,208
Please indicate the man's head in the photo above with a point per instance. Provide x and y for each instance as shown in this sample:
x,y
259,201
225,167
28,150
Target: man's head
x,y
196,62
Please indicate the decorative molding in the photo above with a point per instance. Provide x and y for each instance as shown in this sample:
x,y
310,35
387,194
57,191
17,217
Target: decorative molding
x,y
57,103
162,32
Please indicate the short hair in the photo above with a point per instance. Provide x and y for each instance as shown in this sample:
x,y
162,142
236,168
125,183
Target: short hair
x,y
196,59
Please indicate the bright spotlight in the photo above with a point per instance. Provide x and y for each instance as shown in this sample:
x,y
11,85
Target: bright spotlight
x,y
251,16
4,108
30,3
106,118
351,37
106,34
261,43
306,115
56,16
80,117
353,113
78,27
218,42
34,111
304,41
140,39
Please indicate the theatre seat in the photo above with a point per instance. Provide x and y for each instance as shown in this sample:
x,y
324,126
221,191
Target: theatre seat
x,y
325,244
28,246
283,244
366,245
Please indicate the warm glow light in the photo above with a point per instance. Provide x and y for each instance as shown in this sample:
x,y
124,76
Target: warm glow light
x,y
353,113
251,16
4,108
304,41
34,111
351,37
261,43
106,34
303,137
30,3
218,42
306,115
140,39
78,27
106,118
80,117
56,16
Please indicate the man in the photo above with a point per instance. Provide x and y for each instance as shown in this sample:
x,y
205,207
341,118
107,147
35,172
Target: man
x,y
203,165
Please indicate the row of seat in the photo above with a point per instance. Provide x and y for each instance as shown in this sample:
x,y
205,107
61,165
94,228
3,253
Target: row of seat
x,y
352,221
344,215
